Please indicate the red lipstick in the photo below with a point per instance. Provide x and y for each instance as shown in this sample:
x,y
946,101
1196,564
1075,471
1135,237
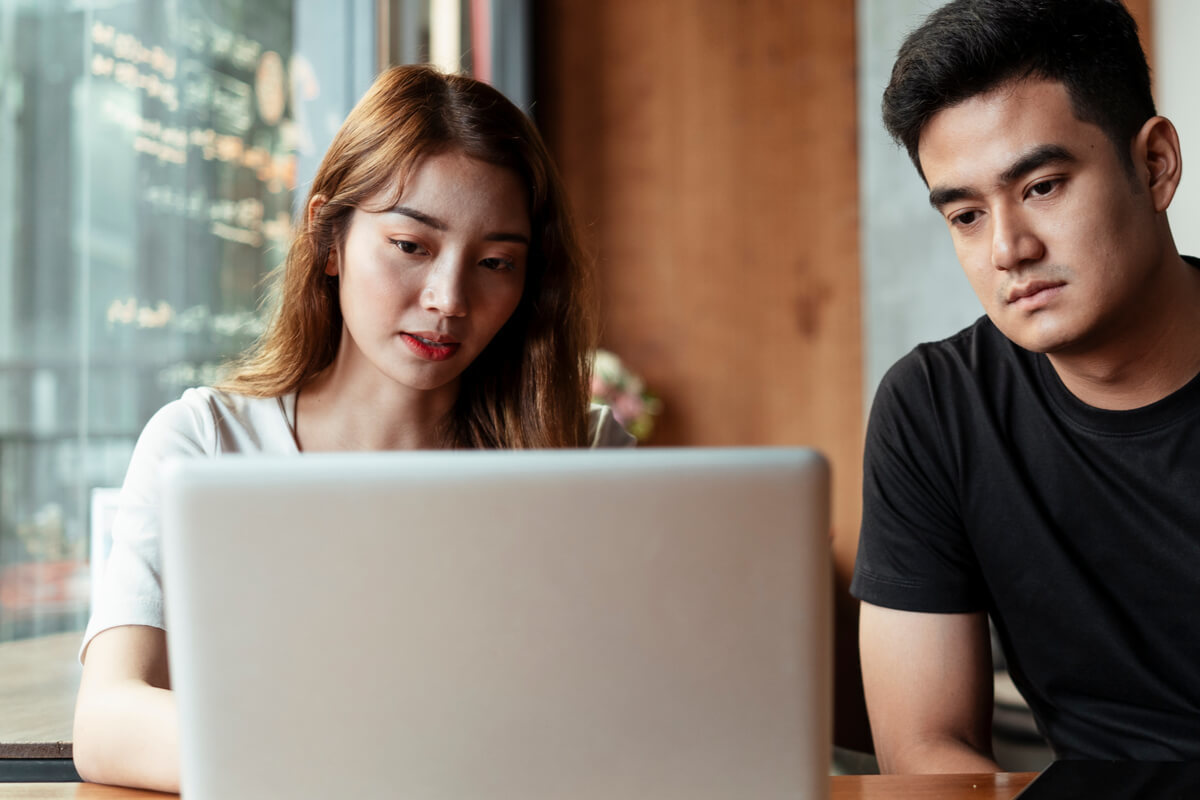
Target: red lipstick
x,y
430,346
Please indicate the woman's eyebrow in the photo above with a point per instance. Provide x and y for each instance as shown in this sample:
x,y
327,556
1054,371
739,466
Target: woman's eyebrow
x,y
501,236
439,225
420,216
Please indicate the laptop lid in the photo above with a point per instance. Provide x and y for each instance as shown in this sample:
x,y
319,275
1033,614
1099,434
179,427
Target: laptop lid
x,y
1115,780
616,623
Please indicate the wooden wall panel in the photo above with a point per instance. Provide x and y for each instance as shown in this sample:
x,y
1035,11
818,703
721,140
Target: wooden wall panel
x,y
1141,10
710,150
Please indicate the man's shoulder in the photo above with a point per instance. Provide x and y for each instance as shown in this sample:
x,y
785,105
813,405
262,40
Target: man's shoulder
x,y
967,355
955,382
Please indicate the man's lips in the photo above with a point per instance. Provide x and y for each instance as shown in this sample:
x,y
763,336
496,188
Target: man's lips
x,y
1032,290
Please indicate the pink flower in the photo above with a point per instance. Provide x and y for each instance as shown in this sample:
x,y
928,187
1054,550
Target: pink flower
x,y
627,408
633,405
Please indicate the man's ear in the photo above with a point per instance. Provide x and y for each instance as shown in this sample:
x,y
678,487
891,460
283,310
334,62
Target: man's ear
x,y
1156,149
314,205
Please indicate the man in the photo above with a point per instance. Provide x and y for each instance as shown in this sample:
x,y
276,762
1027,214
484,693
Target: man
x,y
1042,466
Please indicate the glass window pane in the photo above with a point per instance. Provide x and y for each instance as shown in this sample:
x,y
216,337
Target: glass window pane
x,y
148,157
151,153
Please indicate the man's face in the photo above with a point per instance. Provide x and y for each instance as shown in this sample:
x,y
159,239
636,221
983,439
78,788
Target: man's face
x,y
1048,223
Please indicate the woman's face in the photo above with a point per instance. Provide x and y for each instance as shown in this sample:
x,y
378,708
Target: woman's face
x,y
426,284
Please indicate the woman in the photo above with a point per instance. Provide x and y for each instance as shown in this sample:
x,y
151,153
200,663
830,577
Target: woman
x,y
434,297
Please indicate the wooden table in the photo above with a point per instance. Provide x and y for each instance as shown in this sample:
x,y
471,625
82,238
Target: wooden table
x,y
39,678
74,791
1002,786
845,787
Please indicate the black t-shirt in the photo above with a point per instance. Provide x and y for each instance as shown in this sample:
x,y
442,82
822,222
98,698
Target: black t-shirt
x,y
988,486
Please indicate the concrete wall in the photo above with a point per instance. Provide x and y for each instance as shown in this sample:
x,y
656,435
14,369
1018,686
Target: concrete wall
x,y
913,288
1175,25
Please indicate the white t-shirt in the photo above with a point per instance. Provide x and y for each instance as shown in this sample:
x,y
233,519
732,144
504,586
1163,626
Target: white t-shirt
x,y
206,422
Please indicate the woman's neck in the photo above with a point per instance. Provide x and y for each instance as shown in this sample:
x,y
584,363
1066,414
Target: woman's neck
x,y
335,412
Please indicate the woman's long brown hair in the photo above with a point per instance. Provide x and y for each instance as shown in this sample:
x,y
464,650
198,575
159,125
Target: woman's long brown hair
x,y
530,385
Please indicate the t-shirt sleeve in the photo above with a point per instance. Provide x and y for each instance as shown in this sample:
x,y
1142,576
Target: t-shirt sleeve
x,y
913,550
131,591
605,430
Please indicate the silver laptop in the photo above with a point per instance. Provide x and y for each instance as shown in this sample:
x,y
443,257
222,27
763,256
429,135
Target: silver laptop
x,y
554,624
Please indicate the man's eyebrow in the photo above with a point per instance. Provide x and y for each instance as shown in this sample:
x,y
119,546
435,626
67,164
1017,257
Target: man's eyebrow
x,y
1038,157
437,224
940,196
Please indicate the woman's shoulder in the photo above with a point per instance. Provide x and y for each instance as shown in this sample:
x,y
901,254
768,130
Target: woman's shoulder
x,y
604,430
216,421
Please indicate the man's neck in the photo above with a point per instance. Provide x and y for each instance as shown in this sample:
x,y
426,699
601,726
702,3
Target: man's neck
x,y
1155,353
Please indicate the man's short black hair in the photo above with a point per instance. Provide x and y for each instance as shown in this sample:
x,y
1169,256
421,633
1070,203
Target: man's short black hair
x,y
969,47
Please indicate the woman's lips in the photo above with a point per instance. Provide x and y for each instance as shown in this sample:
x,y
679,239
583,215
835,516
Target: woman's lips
x,y
430,346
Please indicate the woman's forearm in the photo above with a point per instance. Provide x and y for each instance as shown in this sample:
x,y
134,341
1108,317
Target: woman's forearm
x,y
127,733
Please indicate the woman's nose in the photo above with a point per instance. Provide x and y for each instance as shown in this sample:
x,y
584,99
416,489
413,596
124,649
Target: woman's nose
x,y
445,292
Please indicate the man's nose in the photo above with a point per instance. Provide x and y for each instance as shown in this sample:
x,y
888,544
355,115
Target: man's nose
x,y
1013,240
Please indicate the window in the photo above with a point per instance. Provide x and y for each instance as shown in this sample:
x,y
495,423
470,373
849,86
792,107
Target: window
x,y
151,155
148,162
